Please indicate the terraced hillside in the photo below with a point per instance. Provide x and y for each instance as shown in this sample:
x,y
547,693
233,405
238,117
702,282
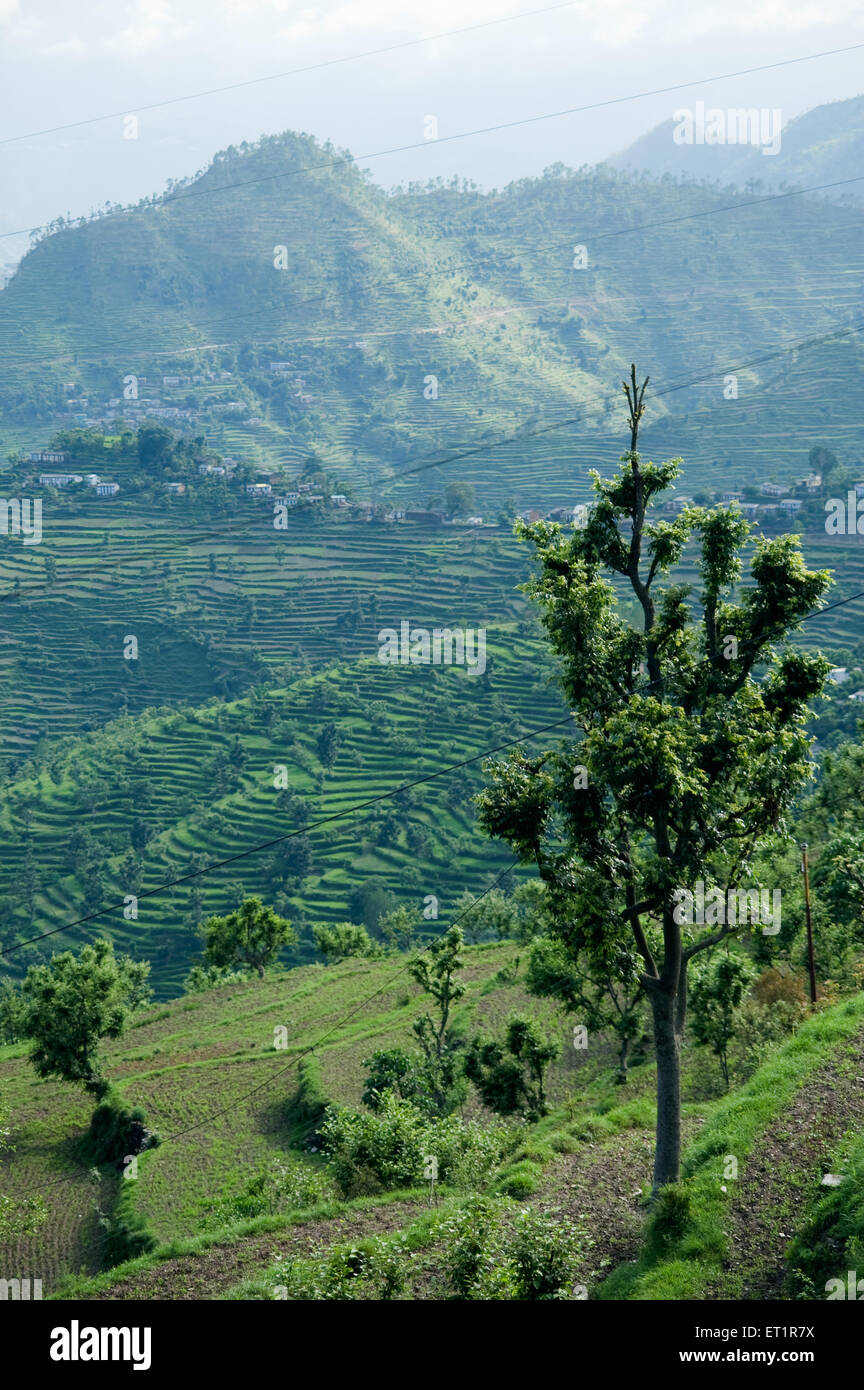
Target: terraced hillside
x,y
416,325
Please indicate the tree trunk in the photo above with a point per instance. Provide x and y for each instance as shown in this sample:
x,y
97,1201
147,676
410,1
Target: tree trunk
x,y
668,1021
623,1055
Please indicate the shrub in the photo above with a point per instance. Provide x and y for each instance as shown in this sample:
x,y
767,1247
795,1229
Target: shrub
x,y
116,1131
545,1253
276,1188
390,1147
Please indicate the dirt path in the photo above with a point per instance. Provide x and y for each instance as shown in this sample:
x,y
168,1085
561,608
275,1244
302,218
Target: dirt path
x,y
783,1174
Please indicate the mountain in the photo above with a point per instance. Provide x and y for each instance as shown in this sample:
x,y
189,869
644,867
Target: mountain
x,y
822,146
401,328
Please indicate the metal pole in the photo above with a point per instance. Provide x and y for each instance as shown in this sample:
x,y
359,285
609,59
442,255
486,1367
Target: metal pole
x,y
811,964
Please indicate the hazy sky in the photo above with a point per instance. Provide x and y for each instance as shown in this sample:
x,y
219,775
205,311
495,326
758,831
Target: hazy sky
x,y
66,60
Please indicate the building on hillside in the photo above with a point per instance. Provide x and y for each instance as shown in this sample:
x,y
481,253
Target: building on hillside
x,y
259,489
49,456
339,499
531,515
107,489
424,518
811,484
791,506
838,675
730,497
59,479
679,504
772,489
858,697
287,499
176,489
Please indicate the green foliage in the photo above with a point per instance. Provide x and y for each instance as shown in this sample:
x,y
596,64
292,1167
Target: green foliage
x,y
687,762
72,1004
252,936
391,1147
832,1240
342,940
204,977
715,999
117,1131
19,1217
374,1270
13,1013
435,973
510,1074
275,1189
127,1234
490,1255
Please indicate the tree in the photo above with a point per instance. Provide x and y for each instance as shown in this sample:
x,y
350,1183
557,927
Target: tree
x,y
599,1000
687,763
510,1075
328,742
252,935
368,901
72,1003
341,940
435,972
718,989
399,926
460,499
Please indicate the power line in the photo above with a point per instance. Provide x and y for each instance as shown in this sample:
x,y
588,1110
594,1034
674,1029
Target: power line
x,y
281,839
466,134
13,595
421,273
292,72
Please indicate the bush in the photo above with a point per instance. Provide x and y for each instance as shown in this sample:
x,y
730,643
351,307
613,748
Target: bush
x,y
126,1232
391,1147
276,1188
203,977
529,1257
116,1131
376,1269
671,1217
545,1253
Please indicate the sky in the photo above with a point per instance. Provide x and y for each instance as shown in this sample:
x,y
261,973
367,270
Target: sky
x,y
514,61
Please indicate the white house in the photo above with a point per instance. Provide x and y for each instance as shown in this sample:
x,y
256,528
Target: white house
x,y
791,505
176,489
107,489
773,489
49,456
59,479
838,674
858,697
339,499
259,489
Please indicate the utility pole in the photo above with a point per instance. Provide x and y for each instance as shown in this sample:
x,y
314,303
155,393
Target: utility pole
x,y
811,964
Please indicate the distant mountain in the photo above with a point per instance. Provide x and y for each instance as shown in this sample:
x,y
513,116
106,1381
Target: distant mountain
x,y
825,145
282,305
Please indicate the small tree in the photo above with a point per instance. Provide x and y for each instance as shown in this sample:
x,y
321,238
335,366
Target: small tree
x,y
435,972
600,1001
343,939
252,935
74,1002
715,999
687,763
510,1075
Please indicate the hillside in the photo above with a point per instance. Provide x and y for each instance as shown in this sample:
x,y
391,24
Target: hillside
x,y
205,1070
335,353
822,146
